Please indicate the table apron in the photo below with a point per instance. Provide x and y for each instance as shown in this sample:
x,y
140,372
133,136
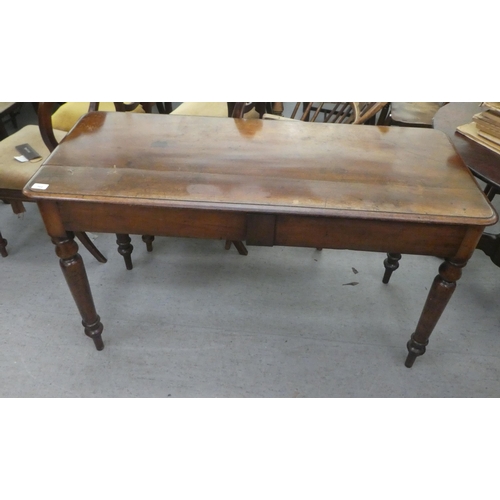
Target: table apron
x,y
441,240
157,221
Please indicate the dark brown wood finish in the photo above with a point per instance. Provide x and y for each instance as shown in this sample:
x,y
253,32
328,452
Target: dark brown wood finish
x,y
383,189
484,163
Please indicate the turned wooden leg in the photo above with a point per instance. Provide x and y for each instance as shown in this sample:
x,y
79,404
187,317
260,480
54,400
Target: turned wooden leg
x,y
87,243
148,239
78,283
390,264
125,249
442,289
3,244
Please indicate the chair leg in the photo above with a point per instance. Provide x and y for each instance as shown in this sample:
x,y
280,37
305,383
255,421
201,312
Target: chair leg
x,y
3,244
125,249
490,191
87,243
148,239
3,131
240,247
390,264
17,206
164,108
384,116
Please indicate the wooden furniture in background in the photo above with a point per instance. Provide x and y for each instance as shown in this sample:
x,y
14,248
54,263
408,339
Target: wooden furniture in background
x,y
326,112
14,175
484,163
164,108
9,111
44,138
267,182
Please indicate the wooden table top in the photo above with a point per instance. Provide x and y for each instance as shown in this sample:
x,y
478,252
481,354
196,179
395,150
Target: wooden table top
x,y
384,173
482,161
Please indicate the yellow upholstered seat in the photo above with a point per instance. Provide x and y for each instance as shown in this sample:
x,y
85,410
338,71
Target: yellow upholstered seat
x,y
13,174
412,114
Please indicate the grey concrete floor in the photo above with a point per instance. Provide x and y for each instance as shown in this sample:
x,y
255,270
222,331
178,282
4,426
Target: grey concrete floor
x,y
194,320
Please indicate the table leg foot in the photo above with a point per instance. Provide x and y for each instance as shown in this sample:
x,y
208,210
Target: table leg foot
x,y
125,249
76,277
390,264
415,349
94,331
442,289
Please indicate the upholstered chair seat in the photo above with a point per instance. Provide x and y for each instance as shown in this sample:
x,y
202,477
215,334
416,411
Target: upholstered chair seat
x,y
13,174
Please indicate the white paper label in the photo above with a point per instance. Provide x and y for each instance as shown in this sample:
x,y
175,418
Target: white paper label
x,y
38,185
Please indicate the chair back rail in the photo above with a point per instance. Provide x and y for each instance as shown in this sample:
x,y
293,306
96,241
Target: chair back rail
x,y
327,112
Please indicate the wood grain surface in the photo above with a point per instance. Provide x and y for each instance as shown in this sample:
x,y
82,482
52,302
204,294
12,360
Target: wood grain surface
x,y
263,166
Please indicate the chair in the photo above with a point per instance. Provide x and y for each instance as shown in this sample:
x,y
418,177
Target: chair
x,y
355,113
43,138
15,175
410,114
64,118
